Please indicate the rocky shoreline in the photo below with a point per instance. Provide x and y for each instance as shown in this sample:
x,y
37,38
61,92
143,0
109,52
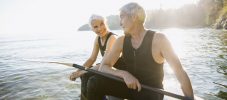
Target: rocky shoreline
x,y
222,24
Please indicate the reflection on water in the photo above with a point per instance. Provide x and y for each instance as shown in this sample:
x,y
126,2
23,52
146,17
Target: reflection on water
x,y
203,53
222,94
222,68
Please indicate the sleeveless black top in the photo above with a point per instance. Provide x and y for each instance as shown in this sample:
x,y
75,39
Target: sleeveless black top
x,y
120,63
140,62
103,48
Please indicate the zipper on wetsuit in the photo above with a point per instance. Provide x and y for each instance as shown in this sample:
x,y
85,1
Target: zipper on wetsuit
x,y
134,52
134,67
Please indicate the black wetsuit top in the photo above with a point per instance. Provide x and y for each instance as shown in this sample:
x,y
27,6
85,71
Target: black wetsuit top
x,y
140,62
103,48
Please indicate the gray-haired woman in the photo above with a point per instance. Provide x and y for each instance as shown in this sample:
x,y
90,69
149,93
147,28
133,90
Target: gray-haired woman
x,y
103,43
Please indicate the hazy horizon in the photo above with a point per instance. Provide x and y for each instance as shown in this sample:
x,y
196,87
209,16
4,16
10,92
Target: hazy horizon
x,y
58,16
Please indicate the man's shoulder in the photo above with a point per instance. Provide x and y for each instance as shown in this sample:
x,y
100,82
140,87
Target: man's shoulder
x,y
156,34
113,37
159,36
120,39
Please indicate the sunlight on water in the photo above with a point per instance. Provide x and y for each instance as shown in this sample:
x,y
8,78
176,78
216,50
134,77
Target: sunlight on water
x,y
202,53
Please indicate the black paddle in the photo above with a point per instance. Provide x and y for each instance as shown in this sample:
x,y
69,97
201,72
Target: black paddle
x,y
157,90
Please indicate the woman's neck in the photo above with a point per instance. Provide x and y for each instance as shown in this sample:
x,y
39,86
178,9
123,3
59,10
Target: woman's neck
x,y
103,38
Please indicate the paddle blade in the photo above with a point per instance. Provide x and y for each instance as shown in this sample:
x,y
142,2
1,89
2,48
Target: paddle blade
x,y
54,62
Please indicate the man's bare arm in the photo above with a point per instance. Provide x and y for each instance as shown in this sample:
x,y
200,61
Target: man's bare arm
x,y
168,53
109,44
110,59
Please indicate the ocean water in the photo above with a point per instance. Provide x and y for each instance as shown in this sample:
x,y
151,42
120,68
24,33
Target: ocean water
x,y
203,54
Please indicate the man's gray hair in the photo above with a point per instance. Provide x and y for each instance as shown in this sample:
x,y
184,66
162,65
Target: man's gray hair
x,y
96,17
134,9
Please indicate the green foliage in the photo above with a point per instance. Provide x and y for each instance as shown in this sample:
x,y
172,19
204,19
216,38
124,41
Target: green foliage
x,y
204,13
222,95
215,10
189,15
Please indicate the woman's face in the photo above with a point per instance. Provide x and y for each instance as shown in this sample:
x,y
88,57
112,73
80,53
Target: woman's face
x,y
99,27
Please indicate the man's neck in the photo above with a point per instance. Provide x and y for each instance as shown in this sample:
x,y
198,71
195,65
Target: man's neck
x,y
138,32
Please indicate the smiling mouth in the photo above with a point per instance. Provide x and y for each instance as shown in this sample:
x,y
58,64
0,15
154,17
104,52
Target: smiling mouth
x,y
100,33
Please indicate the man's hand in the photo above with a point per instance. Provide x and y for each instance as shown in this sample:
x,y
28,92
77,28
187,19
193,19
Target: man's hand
x,y
76,74
131,81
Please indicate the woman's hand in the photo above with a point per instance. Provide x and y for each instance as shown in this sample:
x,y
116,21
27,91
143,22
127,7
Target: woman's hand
x,y
76,74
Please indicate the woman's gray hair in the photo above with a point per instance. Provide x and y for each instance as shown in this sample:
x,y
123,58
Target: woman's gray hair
x,y
96,17
134,9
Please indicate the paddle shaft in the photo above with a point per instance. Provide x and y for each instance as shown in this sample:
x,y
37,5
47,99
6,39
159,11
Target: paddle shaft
x,y
157,90
160,91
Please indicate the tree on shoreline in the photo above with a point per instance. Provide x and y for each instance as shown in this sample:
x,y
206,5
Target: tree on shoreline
x,y
204,13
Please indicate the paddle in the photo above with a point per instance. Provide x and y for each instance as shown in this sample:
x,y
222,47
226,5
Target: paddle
x,y
157,90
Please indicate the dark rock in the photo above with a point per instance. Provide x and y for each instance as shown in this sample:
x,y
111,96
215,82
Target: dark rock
x,y
85,27
225,24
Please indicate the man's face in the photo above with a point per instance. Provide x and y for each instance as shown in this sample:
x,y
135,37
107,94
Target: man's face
x,y
126,22
98,27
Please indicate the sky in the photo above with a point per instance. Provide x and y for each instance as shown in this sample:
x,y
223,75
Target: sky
x,y
64,16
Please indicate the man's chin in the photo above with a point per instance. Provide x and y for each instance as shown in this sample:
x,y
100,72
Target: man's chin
x,y
126,33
